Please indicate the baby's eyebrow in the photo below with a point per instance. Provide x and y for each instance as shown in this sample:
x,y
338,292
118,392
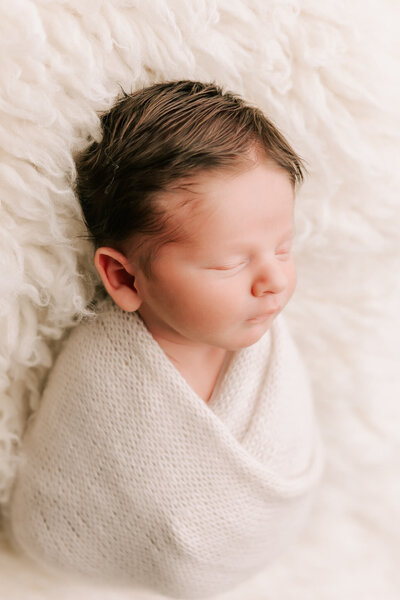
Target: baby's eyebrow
x,y
290,232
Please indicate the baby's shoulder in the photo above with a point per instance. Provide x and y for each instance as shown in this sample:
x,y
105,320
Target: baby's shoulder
x,y
91,330
91,358
96,339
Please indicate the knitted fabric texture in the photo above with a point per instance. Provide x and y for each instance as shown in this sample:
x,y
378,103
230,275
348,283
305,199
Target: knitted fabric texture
x,y
128,475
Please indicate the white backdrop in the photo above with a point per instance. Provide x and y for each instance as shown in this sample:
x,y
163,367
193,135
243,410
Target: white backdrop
x,y
327,73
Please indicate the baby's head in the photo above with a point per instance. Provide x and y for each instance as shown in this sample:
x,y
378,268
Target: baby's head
x,y
189,200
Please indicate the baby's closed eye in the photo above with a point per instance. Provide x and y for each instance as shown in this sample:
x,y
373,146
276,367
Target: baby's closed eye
x,y
283,252
230,267
284,249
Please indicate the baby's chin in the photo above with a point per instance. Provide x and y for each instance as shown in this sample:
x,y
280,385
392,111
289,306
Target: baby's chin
x,y
255,332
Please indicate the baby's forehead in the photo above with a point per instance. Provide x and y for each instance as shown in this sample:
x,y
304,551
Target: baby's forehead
x,y
189,200
196,191
215,206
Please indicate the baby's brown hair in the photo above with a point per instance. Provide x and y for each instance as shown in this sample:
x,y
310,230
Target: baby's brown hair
x,y
157,137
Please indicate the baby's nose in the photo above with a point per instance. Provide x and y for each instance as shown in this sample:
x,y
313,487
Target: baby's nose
x,y
269,280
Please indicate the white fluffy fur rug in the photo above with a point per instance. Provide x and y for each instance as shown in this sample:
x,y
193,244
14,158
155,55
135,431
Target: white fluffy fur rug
x,y
327,73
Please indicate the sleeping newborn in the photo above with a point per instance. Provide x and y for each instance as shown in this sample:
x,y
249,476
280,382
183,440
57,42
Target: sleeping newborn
x,y
175,446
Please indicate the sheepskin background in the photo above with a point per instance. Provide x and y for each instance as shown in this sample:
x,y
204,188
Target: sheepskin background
x,y
327,72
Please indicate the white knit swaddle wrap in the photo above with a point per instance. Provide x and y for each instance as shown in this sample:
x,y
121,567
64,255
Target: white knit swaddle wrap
x,y
127,474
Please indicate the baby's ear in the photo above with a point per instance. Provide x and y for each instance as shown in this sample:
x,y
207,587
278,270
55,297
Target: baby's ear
x,y
118,278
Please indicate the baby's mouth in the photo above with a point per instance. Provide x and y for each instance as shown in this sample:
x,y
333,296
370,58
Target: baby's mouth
x,y
262,317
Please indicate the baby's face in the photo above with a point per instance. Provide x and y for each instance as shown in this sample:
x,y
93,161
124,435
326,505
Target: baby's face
x,y
226,284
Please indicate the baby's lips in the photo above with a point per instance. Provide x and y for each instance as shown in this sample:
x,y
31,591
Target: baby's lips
x,y
266,313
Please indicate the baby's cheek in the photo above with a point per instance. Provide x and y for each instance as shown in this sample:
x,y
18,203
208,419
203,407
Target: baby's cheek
x,y
294,274
230,305
292,280
213,305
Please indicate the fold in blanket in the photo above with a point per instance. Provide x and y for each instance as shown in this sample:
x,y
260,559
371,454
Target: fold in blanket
x,y
128,475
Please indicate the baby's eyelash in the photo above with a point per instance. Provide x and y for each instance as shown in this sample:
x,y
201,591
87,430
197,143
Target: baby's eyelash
x,y
284,249
228,267
284,255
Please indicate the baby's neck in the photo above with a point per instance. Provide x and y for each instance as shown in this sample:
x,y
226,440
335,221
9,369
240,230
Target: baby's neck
x,y
199,364
201,370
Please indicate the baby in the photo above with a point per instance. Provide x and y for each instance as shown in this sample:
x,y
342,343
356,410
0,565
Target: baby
x,y
175,446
